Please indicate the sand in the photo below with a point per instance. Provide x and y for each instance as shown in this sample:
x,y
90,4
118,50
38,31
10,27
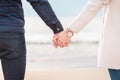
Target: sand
x,y
76,74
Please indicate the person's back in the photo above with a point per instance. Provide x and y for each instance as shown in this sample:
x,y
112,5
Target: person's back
x,y
112,11
109,44
109,48
11,16
12,41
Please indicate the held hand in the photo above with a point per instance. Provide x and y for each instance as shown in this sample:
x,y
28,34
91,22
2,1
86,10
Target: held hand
x,y
61,40
64,40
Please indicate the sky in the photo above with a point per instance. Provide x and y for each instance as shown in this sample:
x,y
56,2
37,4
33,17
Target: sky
x,y
61,7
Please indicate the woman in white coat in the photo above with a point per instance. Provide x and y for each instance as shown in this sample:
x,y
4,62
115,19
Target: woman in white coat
x,y
109,47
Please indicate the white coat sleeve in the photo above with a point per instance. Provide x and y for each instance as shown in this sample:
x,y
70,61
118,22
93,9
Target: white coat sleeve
x,y
87,14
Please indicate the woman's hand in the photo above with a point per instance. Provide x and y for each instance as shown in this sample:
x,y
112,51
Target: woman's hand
x,y
62,39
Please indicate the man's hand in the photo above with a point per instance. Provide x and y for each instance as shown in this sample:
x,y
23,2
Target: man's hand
x,y
55,40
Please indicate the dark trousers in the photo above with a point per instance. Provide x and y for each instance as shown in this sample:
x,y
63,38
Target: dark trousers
x,y
13,55
114,74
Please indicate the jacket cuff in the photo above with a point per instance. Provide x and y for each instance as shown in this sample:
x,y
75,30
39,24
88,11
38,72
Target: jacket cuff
x,y
56,27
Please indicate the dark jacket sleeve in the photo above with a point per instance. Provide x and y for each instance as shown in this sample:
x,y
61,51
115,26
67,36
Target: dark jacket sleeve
x,y
45,11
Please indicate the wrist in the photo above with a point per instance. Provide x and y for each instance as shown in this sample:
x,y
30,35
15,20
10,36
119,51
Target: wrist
x,y
69,32
56,27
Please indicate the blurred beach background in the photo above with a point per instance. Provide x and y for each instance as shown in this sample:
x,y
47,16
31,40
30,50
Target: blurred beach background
x,y
81,53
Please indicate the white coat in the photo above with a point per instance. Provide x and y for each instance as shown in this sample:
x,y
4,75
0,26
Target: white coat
x,y
109,47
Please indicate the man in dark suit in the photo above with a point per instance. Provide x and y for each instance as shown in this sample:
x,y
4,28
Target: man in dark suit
x,y
12,41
